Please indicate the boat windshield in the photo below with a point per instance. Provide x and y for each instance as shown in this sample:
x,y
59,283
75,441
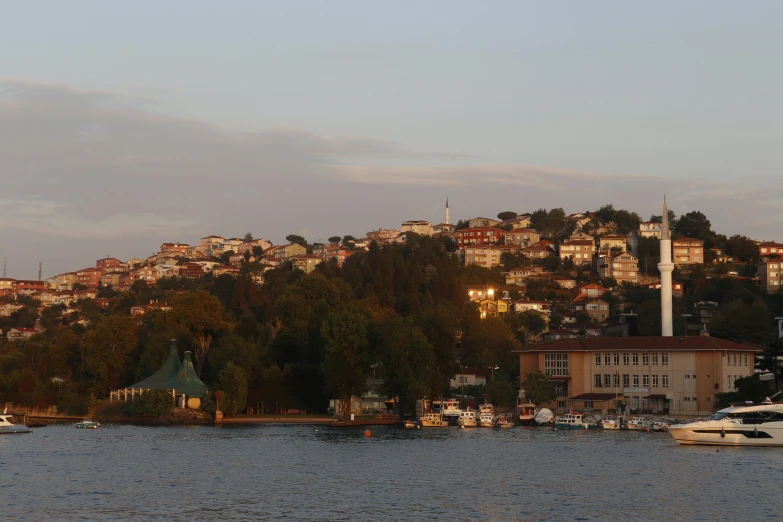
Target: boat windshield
x,y
717,416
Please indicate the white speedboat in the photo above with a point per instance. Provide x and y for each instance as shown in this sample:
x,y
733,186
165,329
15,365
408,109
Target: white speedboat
x,y
526,411
87,424
739,425
486,420
544,416
433,420
408,424
8,426
612,423
467,419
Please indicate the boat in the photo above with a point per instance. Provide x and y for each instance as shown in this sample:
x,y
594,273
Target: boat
x,y
573,421
8,426
486,408
87,424
639,423
503,422
660,425
450,409
612,423
544,416
467,419
486,420
526,411
741,424
408,424
433,420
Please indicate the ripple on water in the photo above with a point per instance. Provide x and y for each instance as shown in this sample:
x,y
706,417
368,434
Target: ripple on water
x,y
278,472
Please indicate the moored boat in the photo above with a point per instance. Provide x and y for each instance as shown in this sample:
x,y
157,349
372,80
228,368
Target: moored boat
x,y
503,421
612,423
9,426
408,424
544,416
639,423
467,419
739,425
526,411
87,424
573,421
486,420
433,420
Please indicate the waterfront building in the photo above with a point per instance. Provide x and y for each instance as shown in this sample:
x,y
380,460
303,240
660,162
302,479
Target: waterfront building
x,y
674,375
423,228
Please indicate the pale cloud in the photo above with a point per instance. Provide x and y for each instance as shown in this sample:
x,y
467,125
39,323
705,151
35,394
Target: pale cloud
x,y
94,171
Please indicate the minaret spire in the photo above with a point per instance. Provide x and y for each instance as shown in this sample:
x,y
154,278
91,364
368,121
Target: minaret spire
x,y
666,267
447,210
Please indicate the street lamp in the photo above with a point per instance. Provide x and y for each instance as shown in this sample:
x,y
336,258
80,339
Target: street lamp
x,y
493,368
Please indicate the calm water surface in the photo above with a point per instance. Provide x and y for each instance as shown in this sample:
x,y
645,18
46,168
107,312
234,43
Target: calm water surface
x,y
280,473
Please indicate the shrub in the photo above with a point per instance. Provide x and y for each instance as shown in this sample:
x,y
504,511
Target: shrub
x,y
152,403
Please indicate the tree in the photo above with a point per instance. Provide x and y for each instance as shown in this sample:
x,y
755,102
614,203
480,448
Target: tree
x,y
202,315
462,224
106,350
233,381
248,237
538,388
501,393
408,359
347,361
298,240
694,224
506,215
152,403
334,239
649,318
349,239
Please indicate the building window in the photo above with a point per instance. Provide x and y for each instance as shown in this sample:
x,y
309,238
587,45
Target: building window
x,y
598,359
561,405
607,381
735,359
655,359
654,381
664,359
746,359
645,381
607,359
626,359
588,405
635,359
616,359
616,381
665,381
635,381
626,380
729,382
556,364
635,403
645,359
597,380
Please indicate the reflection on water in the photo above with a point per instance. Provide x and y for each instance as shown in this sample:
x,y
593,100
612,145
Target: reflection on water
x,y
298,473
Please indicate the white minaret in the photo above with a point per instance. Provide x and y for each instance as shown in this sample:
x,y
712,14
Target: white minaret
x,y
447,211
666,266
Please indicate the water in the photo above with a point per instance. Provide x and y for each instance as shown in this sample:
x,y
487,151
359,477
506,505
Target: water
x,y
279,473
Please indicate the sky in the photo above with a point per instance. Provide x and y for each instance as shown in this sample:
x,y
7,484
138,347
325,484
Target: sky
x,y
127,124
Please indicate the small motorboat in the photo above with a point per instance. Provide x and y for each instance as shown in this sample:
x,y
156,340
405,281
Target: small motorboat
x,y
87,424
408,424
503,422
544,416
8,426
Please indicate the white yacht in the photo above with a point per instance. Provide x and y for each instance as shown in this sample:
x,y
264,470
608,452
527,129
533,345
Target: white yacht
x,y
738,425
467,419
8,426
573,421
433,420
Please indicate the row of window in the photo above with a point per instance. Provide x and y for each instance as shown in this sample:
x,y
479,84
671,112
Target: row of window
x,y
613,381
632,359
736,359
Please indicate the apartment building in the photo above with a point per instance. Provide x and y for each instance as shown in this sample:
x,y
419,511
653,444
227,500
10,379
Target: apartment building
x,y
622,266
688,251
769,271
580,251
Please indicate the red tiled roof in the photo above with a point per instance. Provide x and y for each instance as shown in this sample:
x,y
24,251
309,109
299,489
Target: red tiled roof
x,y
641,344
